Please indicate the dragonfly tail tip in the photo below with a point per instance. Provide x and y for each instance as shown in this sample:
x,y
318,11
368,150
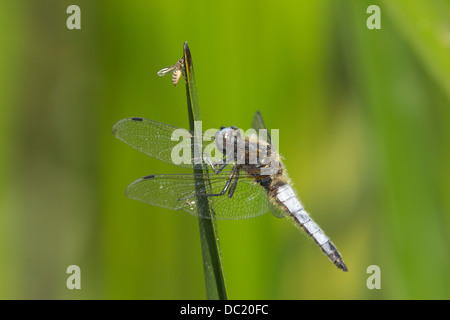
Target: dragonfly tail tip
x,y
341,265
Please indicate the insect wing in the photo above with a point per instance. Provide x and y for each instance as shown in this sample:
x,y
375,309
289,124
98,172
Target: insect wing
x,y
160,141
165,71
258,124
150,137
178,192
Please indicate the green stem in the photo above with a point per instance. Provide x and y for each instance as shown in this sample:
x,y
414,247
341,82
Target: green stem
x,y
212,261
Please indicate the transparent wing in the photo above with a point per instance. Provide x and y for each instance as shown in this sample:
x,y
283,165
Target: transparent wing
x,y
258,123
177,192
165,71
155,139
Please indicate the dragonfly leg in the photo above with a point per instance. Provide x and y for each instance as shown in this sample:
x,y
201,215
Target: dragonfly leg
x,y
225,188
222,166
234,185
212,165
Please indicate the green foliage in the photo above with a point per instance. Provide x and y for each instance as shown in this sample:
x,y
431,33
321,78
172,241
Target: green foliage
x,y
364,124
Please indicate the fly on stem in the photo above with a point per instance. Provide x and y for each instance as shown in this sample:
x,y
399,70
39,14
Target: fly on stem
x,y
177,71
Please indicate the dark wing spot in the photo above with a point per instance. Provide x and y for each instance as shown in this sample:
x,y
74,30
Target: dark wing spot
x,y
149,177
137,119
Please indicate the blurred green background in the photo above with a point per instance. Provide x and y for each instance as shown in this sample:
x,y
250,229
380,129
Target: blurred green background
x,y
364,124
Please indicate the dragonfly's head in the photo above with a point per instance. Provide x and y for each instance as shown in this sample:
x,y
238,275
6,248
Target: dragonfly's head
x,y
227,137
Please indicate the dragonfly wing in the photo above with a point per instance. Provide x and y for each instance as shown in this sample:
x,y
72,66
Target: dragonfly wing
x,y
277,210
258,124
159,140
178,192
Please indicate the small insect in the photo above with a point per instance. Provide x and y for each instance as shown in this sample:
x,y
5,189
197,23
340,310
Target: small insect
x,y
176,69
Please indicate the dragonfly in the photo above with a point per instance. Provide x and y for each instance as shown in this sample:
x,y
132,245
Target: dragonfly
x,y
235,188
176,69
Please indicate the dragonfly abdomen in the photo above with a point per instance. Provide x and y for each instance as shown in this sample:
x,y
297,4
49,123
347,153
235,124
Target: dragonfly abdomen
x,y
286,197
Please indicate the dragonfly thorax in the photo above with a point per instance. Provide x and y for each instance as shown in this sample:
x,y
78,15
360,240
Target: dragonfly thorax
x,y
226,138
